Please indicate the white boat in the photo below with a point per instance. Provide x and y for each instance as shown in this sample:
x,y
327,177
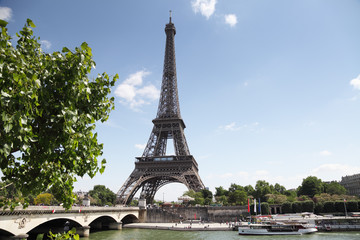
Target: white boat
x,y
276,229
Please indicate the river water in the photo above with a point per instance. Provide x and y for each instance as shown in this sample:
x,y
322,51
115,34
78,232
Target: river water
x,y
145,234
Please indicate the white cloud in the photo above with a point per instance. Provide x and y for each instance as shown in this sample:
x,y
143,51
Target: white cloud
x,y
5,13
325,153
234,127
334,171
231,19
205,7
230,127
136,79
133,93
149,91
140,146
125,91
355,82
46,44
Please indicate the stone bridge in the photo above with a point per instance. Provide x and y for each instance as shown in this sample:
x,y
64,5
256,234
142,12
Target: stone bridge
x,y
21,223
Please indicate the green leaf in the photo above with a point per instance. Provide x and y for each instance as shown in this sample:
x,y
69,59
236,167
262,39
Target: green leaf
x,y
37,83
65,49
84,46
30,23
16,77
8,127
3,23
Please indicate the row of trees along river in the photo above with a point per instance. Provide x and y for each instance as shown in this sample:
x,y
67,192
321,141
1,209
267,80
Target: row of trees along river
x,y
313,195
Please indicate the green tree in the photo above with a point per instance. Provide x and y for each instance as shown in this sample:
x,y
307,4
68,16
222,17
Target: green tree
x,y
233,187
220,191
261,189
222,199
275,198
311,186
207,195
249,190
290,195
323,197
48,110
279,189
334,188
221,195
198,197
237,197
134,202
8,190
303,198
44,199
102,195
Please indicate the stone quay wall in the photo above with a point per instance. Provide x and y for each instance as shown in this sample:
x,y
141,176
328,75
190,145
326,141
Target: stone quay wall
x,y
207,214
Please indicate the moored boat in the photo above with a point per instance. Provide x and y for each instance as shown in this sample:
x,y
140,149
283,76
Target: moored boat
x,y
276,229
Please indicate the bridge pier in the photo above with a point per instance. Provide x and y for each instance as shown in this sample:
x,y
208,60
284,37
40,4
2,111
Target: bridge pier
x,y
20,237
83,231
142,215
115,226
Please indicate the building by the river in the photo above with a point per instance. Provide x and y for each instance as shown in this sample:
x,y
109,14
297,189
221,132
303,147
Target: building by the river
x,y
352,184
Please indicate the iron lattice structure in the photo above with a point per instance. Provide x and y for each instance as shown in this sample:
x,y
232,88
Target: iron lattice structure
x,y
154,168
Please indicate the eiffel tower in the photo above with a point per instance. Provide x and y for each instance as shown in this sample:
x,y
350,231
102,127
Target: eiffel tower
x,y
154,168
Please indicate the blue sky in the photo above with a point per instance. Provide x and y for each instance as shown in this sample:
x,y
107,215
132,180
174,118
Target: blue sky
x,y
269,90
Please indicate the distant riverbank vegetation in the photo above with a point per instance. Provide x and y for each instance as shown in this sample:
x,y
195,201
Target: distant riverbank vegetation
x,y
313,195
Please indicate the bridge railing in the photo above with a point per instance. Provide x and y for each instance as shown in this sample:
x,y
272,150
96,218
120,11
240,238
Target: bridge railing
x,y
61,210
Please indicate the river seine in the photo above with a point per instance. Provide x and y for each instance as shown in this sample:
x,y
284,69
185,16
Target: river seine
x,y
144,234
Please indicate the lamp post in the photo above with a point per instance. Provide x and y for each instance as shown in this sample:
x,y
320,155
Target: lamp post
x,y
345,207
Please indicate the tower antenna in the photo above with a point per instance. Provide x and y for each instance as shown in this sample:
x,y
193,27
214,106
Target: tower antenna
x,y
170,15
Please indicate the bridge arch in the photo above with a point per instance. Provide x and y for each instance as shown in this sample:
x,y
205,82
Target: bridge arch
x,y
130,218
5,233
55,225
101,223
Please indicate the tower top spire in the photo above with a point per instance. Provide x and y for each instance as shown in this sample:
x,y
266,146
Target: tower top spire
x,y
170,16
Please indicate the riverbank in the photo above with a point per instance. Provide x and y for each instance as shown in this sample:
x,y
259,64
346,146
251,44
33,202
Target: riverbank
x,y
182,226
